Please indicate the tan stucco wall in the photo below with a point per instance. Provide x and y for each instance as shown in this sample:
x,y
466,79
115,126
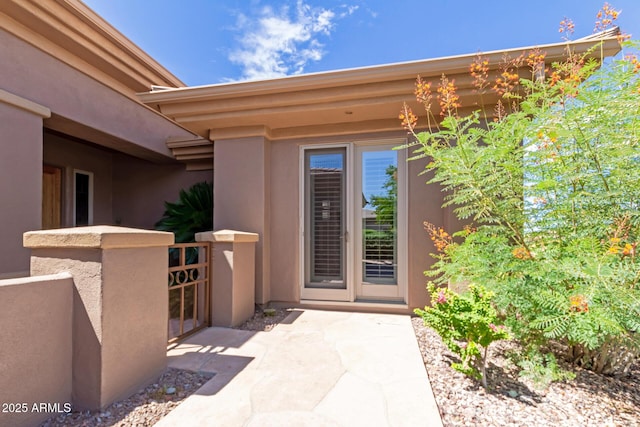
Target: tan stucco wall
x,y
78,105
285,181
425,201
76,97
140,189
35,355
120,319
85,266
20,183
242,186
120,305
233,279
135,317
233,283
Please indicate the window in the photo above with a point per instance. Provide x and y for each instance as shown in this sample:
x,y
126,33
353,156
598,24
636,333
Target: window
x,y
82,198
324,183
379,216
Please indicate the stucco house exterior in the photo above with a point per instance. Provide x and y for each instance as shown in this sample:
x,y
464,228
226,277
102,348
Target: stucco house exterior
x,y
94,131
78,146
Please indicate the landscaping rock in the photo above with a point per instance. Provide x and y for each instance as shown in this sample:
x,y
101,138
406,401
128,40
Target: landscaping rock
x,y
144,408
588,400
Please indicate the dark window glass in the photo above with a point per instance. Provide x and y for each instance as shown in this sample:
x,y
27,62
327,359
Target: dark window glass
x,y
82,199
325,241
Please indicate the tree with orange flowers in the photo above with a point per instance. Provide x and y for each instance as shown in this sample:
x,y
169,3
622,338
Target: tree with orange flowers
x,y
550,178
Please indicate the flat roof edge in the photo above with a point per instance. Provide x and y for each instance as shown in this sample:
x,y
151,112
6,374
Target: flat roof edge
x,y
375,72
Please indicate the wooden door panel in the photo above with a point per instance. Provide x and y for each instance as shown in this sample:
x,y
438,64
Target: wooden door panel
x,y
51,197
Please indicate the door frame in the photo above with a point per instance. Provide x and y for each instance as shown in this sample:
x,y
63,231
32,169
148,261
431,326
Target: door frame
x,y
353,275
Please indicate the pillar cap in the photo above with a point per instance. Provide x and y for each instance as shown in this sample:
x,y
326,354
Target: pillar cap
x,y
96,237
227,236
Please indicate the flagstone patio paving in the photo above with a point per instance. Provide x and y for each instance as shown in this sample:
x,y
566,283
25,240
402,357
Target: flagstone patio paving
x,y
316,368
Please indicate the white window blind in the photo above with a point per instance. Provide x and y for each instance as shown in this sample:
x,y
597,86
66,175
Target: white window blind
x,y
379,217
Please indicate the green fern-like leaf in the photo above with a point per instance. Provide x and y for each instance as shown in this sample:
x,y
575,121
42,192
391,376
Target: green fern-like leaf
x,y
192,213
553,326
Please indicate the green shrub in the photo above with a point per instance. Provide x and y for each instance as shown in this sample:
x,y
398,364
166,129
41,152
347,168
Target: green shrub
x,y
192,213
468,324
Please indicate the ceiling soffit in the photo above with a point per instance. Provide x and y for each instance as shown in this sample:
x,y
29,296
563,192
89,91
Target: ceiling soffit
x,y
333,103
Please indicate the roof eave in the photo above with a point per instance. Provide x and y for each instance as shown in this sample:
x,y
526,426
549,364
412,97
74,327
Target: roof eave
x,y
428,67
73,33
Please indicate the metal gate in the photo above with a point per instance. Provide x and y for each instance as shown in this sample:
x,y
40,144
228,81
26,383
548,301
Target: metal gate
x,y
189,289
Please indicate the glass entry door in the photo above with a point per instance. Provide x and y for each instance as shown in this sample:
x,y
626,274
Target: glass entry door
x,y
325,228
378,222
352,223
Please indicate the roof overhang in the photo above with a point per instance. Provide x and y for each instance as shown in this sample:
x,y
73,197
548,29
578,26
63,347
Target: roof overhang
x,y
76,35
341,102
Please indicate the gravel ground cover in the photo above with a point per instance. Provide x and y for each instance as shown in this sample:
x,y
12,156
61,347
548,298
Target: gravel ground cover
x,y
144,408
265,320
588,400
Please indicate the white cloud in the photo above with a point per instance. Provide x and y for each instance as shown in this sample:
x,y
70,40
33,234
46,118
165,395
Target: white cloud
x,y
279,43
348,10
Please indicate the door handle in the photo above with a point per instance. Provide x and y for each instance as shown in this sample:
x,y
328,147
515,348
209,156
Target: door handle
x,y
345,236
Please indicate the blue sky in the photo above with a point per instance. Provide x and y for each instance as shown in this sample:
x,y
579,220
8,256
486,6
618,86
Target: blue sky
x,y
215,41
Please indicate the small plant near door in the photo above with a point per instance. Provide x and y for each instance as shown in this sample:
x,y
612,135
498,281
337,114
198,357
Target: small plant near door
x,y
468,324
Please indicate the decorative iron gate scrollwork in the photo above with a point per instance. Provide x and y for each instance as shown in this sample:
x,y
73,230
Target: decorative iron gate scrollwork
x,y
189,289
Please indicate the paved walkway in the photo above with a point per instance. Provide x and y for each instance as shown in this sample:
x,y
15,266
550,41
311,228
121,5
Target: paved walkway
x,y
317,368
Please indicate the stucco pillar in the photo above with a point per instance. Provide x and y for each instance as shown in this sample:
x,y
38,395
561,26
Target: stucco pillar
x,y
242,182
232,275
21,183
120,307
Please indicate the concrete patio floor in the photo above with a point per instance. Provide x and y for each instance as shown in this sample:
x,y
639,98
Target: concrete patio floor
x,y
317,368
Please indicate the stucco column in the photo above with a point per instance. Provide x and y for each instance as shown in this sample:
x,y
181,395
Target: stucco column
x,y
120,307
242,181
21,183
232,275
